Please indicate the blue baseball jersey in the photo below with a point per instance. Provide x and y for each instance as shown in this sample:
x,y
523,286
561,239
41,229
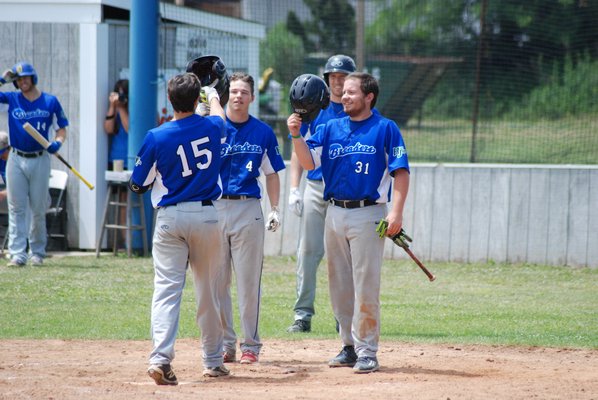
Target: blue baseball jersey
x,y
119,142
250,148
181,159
43,113
358,159
334,110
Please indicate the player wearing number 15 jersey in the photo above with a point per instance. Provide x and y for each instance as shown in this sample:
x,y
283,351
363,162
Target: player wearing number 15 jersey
x,y
181,159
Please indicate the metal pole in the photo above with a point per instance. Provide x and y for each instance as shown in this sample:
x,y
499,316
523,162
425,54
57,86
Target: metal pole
x,y
143,97
359,35
476,98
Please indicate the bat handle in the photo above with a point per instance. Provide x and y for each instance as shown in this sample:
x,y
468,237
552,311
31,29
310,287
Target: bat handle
x,y
430,276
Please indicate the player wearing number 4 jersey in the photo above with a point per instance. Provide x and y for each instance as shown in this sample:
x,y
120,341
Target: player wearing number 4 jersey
x,y
360,155
250,149
180,161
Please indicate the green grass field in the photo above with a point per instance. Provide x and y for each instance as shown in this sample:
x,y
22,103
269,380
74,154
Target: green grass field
x,y
109,298
563,141
571,140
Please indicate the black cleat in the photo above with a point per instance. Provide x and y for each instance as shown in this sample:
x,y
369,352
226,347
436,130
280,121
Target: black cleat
x,y
346,358
162,374
300,326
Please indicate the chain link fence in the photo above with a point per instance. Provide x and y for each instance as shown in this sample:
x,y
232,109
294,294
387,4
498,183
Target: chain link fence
x,y
486,81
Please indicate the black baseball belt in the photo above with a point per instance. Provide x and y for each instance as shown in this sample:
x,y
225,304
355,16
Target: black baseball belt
x,y
352,203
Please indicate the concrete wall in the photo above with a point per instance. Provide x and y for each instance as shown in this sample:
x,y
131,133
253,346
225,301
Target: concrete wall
x,y
538,214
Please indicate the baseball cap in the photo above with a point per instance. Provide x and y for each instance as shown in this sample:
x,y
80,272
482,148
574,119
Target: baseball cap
x,y
3,142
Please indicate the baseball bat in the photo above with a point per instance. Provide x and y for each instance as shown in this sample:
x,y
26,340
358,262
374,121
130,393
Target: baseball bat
x,y
44,143
430,276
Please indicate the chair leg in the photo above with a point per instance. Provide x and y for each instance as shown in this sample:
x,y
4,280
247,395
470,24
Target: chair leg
x,y
103,227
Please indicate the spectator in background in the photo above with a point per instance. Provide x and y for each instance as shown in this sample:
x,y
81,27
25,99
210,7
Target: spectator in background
x,y
28,168
116,123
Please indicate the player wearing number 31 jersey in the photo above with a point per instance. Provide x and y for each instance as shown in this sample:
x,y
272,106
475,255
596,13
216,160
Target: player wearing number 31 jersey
x,y
361,155
181,159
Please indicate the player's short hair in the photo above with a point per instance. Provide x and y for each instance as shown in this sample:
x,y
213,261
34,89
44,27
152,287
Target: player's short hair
x,y
244,77
183,92
368,84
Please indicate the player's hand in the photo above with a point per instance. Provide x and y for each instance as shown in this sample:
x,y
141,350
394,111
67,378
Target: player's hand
x,y
208,93
294,124
296,202
273,221
202,109
395,223
7,77
54,146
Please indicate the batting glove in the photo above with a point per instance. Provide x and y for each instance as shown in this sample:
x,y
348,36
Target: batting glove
x,y
7,77
203,109
296,201
209,93
273,219
402,239
54,146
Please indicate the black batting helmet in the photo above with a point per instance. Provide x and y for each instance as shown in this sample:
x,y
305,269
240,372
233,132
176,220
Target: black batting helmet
x,y
309,94
339,63
208,69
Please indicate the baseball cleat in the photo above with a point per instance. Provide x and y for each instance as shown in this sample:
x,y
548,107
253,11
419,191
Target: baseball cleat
x,y
365,365
214,372
229,356
16,262
162,374
249,357
346,358
300,326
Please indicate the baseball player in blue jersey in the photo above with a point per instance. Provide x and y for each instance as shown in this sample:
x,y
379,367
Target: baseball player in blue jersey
x,y
312,206
251,149
4,151
361,156
180,162
28,168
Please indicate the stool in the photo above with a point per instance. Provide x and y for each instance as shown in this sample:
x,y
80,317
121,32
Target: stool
x,y
117,186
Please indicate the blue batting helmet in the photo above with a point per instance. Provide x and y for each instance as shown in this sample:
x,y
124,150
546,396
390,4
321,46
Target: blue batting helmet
x,y
339,63
24,69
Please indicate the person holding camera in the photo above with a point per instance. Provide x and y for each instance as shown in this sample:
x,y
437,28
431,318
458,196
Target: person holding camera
x,y
116,123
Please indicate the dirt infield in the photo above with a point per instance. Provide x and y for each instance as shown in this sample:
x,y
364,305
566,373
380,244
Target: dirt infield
x,y
69,370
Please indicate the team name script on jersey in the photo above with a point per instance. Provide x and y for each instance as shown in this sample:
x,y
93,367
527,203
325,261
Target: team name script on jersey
x,y
336,150
19,113
246,147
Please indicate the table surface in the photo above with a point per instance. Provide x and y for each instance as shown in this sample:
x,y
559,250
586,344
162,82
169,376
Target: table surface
x,y
118,176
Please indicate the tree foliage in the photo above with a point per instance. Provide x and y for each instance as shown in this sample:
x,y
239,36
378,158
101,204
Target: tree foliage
x,y
284,52
333,25
522,41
